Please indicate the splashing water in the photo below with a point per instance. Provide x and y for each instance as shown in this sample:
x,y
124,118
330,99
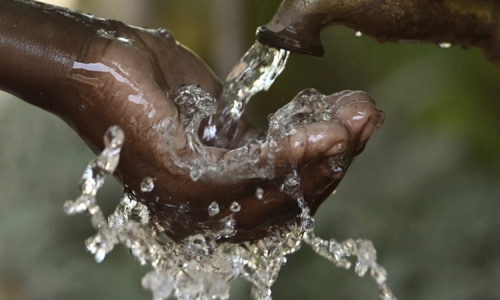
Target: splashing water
x,y
199,267
92,180
256,71
147,185
196,268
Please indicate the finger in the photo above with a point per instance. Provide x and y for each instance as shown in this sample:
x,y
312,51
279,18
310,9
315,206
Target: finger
x,y
322,151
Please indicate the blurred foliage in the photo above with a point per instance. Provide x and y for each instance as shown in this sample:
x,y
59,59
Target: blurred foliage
x,y
426,190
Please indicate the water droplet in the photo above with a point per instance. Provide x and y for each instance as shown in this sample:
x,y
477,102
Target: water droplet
x,y
100,255
88,186
308,224
325,117
292,180
366,253
197,245
336,169
165,33
213,209
104,33
358,34
385,293
68,207
273,122
88,15
160,283
209,132
147,185
184,208
228,224
235,207
82,106
444,45
336,249
301,202
195,174
97,246
93,209
114,137
114,35
124,40
75,207
259,193
349,247
289,129
379,274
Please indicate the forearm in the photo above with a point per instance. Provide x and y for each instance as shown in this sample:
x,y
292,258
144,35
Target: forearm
x,y
48,57
38,46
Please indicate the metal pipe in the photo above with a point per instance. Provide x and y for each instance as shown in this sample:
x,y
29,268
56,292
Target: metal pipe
x,y
297,24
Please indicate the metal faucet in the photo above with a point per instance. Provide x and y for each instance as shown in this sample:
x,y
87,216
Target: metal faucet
x,y
297,24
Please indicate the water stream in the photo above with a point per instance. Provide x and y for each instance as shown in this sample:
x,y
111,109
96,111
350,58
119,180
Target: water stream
x,y
199,267
256,71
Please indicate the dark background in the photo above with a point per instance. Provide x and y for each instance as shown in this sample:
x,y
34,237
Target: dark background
x,y
426,190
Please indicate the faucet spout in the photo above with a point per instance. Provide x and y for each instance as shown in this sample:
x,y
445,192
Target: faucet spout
x,y
297,24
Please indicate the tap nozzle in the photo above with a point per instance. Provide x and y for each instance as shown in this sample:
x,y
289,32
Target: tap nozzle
x,y
296,26
275,39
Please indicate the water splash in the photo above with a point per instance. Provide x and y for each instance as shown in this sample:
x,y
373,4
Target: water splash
x,y
338,253
241,163
235,207
92,180
256,71
259,193
213,209
199,267
147,185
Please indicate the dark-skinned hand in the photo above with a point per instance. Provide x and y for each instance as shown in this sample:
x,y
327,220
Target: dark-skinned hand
x,y
113,74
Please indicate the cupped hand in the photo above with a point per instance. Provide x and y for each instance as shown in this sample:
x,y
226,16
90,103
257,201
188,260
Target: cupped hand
x,y
135,78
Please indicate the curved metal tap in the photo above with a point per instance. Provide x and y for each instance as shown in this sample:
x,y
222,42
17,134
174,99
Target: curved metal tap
x,y
297,24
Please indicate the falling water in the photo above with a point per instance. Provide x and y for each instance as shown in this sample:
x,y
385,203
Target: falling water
x,y
199,267
255,72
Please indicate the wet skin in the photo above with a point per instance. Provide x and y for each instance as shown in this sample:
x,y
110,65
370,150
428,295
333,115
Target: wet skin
x,y
103,73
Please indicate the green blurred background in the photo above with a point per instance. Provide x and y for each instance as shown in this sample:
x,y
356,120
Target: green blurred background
x,y
426,190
